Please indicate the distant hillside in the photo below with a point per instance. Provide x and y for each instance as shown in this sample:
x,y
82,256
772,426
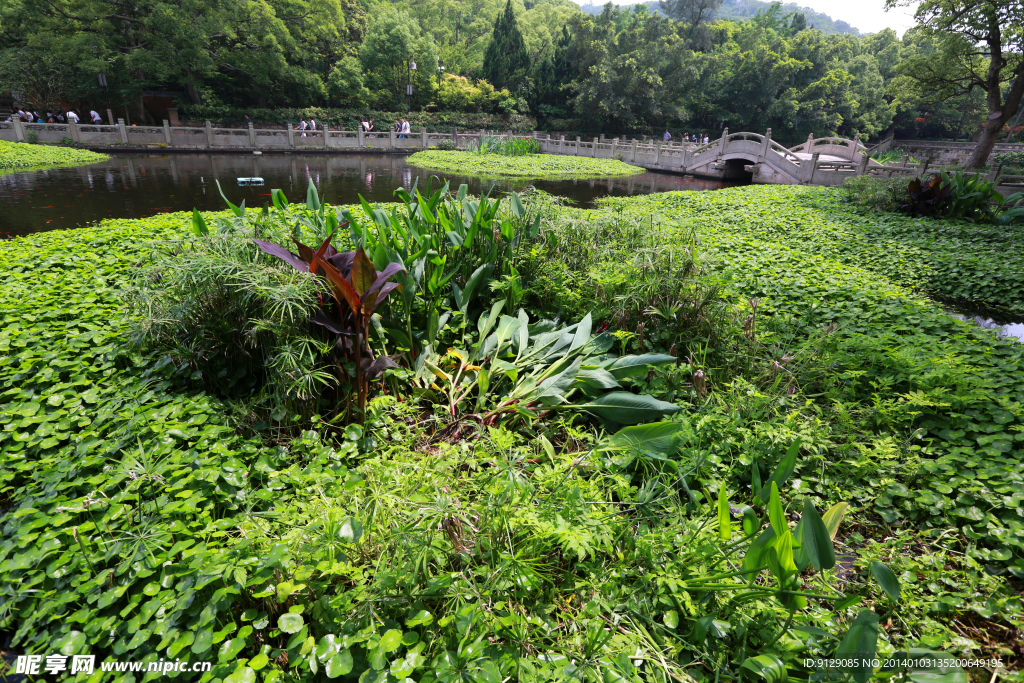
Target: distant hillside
x,y
744,9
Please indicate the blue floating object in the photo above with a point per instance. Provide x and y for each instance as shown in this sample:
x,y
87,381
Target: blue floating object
x,y
250,181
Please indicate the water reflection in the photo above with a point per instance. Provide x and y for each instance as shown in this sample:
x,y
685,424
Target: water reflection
x,y
1007,330
143,185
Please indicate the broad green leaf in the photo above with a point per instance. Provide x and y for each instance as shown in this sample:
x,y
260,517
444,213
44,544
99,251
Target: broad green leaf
x,y
656,437
766,667
776,513
290,623
860,644
785,469
814,539
833,517
626,408
724,525
340,664
886,579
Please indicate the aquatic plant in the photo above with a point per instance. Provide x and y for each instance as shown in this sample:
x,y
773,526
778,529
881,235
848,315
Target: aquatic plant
x,y
540,166
20,155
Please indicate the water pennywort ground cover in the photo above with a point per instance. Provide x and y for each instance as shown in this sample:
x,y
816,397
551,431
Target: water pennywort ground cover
x,y
144,518
550,166
20,155
139,524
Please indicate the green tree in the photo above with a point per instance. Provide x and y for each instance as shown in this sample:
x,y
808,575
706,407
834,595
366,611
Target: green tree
x,y
393,42
981,46
506,59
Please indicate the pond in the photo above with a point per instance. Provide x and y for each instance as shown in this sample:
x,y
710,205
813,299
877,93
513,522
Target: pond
x,y
139,185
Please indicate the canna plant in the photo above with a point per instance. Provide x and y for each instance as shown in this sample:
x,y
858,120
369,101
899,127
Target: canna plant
x,y
452,247
356,289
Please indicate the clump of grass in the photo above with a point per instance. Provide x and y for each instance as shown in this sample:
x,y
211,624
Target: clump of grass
x,y
877,194
504,146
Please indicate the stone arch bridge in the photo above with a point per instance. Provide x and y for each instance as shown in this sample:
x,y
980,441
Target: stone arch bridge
x,y
818,161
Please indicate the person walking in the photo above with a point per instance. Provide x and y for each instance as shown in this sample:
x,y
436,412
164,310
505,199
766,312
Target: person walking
x,y
302,127
72,117
95,117
706,139
406,128
668,136
312,124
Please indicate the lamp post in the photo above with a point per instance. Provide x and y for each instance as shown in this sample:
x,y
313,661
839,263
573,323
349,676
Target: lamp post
x,y
440,70
408,87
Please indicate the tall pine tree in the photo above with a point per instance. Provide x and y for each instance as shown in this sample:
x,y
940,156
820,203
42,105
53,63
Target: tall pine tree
x,y
506,59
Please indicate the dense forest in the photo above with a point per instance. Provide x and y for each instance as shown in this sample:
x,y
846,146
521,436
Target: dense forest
x,y
747,9
692,65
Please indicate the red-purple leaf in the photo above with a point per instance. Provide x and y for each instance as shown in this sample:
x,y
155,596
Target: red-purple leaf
x,y
343,262
373,369
342,287
322,319
363,272
383,276
385,290
283,254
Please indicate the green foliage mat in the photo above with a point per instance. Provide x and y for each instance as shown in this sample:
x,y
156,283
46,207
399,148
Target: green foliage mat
x,y
138,523
20,155
541,166
945,397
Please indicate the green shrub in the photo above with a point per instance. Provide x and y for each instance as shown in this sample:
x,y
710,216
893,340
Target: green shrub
x,y
503,145
1015,159
876,193
349,119
445,145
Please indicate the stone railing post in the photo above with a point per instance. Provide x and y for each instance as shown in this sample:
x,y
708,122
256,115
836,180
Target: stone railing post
x,y
576,152
685,157
615,143
993,174
19,129
359,136
252,135
561,144
595,149
122,131
455,138
766,145
722,141
423,138
657,154
327,134
812,165
856,146
391,138
291,135
632,155
72,128
167,131
862,164
209,134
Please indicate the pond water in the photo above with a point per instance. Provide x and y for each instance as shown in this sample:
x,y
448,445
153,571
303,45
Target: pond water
x,y
1012,330
139,185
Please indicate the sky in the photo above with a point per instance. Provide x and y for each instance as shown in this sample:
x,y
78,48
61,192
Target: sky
x,y
869,16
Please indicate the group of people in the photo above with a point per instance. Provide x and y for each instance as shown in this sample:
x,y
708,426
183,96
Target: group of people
x,y
307,125
402,128
696,139
29,116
